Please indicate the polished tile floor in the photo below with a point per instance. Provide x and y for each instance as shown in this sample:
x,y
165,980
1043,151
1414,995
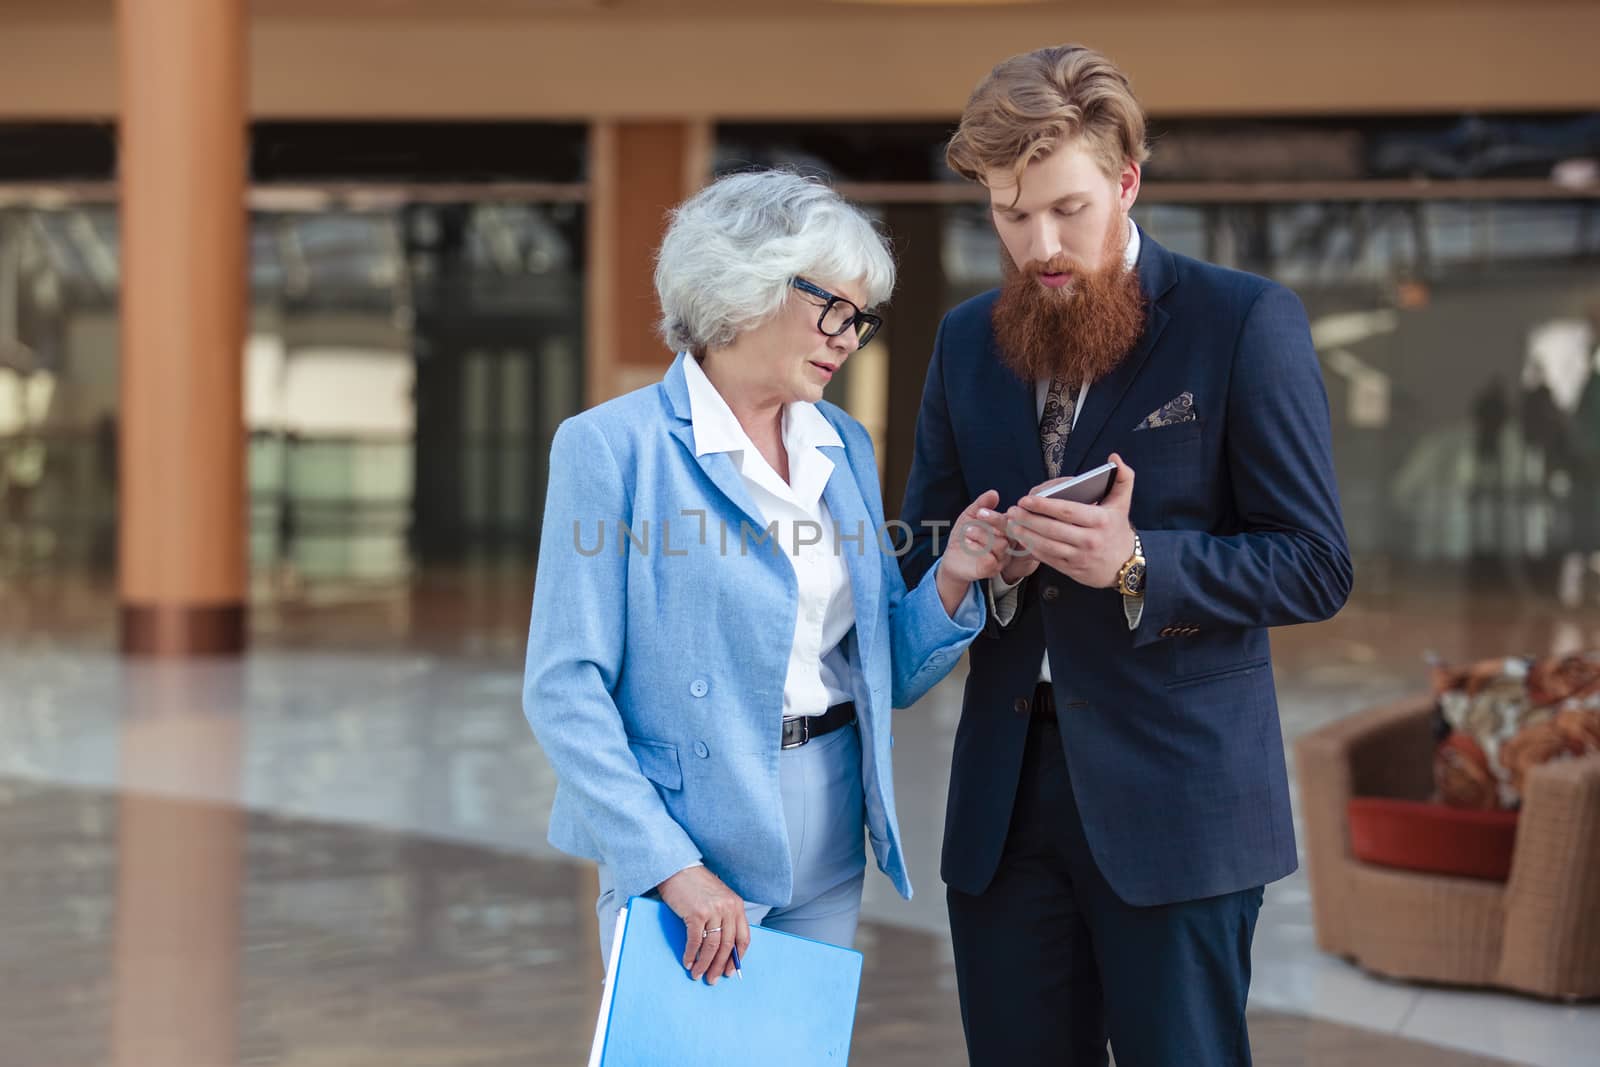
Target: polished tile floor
x,y
331,852
148,930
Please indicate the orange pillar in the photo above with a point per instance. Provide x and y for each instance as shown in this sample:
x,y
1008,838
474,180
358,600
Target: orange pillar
x,y
182,539
638,172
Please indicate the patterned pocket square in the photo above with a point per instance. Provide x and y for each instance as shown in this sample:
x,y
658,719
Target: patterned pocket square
x,y
1179,409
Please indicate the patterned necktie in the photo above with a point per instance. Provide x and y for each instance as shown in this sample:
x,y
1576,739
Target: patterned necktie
x,y
1055,425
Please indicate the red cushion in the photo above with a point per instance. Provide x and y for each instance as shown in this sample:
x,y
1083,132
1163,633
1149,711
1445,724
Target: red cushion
x,y
1416,836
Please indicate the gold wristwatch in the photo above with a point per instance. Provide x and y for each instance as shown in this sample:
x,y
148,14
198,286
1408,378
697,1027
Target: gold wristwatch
x,y
1130,579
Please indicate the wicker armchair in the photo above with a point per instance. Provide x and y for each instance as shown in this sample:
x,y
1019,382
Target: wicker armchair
x,y
1537,933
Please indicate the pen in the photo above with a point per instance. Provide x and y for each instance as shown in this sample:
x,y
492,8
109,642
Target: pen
x,y
736,969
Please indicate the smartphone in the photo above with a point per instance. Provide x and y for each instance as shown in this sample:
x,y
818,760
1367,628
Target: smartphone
x,y
1090,487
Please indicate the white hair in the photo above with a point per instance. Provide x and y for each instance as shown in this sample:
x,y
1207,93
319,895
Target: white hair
x,y
732,250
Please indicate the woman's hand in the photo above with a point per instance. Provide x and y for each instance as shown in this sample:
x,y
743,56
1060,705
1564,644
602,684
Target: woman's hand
x,y
978,549
715,918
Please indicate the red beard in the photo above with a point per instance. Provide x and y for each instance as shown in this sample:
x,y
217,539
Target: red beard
x,y
1079,333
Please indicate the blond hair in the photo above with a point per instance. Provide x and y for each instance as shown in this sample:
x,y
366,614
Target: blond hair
x,y
1030,105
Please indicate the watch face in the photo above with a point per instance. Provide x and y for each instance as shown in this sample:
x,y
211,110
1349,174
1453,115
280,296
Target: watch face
x,y
1133,581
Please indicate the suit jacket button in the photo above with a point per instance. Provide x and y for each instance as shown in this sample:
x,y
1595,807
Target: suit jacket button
x,y
1051,592
701,750
699,688
1166,631
1022,706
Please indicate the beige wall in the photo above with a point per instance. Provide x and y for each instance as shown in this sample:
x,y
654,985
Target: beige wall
x,y
1406,56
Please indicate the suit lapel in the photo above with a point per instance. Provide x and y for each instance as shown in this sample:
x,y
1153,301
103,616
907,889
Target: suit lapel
x,y
1106,394
1156,276
717,466
848,508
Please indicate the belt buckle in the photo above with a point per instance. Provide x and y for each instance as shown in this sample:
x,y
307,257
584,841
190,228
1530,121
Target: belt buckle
x,y
805,732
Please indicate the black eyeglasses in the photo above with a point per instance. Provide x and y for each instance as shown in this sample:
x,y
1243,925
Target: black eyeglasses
x,y
839,315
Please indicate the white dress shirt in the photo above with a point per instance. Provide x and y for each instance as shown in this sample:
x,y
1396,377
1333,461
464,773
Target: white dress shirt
x,y
819,670
1005,596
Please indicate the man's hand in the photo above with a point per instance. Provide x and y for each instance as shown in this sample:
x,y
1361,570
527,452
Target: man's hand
x,y
1088,543
715,918
1019,561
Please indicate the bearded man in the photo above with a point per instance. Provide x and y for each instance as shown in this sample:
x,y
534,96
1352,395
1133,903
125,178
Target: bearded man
x,y
1118,797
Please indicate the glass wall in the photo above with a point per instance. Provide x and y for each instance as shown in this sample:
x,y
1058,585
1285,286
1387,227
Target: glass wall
x,y
58,387
1450,267
415,335
405,368
1459,344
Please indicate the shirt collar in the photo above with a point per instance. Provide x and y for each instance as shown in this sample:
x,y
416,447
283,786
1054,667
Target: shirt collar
x,y
717,429
804,426
805,430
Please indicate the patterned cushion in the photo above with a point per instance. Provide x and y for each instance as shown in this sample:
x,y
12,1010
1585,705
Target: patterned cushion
x,y
1500,718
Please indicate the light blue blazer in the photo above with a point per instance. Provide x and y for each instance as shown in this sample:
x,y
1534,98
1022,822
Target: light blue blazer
x,y
657,658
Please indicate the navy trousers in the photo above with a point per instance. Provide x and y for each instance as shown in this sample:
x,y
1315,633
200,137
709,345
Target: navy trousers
x,y
1052,965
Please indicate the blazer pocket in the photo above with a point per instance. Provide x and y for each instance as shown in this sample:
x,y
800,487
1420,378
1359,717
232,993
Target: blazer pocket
x,y
1164,445
1173,431
658,761
1220,673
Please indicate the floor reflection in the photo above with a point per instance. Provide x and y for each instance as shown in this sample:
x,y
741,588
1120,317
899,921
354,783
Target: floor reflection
x,y
157,932
332,851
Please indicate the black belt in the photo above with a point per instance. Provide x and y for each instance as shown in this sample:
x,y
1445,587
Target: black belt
x,y
802,728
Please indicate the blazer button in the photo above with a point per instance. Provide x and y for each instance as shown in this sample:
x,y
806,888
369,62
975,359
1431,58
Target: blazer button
x,y
701,750
1166,631
1051,592
699,688
1022,706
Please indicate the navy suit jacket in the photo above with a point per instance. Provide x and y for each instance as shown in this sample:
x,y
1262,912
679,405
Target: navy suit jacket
x,y
1171,730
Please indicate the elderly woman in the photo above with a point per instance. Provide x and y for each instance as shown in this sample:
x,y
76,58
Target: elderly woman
x,y
719,628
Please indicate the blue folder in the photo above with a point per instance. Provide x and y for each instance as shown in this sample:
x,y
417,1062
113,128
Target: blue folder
x,y
795,1005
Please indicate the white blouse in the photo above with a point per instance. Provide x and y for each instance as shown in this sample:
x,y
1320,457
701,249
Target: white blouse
x,y
819,670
